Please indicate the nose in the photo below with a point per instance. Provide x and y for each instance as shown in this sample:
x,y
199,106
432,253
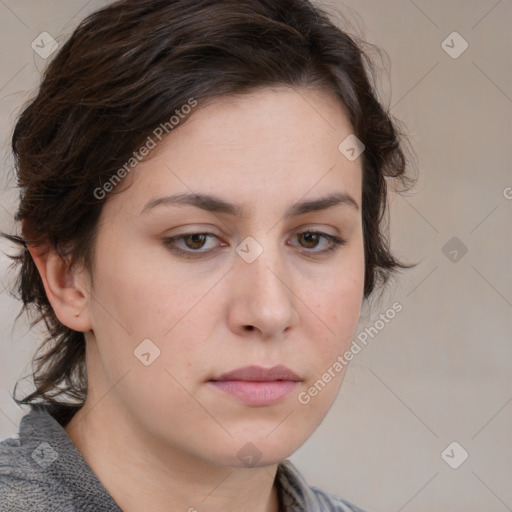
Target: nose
x,y
262,296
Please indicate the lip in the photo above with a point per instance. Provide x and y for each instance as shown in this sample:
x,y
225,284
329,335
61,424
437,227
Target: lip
x,y
257,386
260,374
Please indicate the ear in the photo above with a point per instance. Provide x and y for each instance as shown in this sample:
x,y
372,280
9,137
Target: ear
x,y
67,295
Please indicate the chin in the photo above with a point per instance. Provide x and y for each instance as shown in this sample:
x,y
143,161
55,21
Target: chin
x,y
258,450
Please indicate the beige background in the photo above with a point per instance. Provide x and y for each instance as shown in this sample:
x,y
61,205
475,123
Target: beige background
x,y
441,370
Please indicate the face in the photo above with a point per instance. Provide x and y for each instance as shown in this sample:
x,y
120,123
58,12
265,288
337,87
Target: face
x,y
212,290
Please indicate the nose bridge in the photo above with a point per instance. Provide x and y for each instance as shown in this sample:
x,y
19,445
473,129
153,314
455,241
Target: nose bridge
x,y
263,280
263,265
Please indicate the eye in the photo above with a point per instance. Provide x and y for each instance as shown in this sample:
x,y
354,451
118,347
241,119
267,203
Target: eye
x,y
313,238
193,244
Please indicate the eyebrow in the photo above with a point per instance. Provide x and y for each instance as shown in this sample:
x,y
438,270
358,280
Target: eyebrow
x,y
217,205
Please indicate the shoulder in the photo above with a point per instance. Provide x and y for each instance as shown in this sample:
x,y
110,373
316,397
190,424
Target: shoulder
x,y
25,485
336,503
298,495
41,470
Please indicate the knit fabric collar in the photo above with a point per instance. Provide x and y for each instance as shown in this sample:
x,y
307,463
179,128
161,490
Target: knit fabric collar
x,y
53,463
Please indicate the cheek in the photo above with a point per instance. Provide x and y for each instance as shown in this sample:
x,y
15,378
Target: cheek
x,y
346,304
340,312
340,298
337,307
132,295
139,297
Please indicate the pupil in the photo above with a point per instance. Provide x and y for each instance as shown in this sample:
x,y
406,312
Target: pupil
x,y
196,239
310,237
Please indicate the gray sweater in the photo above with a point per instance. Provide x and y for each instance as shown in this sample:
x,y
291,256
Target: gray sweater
x,y
41,470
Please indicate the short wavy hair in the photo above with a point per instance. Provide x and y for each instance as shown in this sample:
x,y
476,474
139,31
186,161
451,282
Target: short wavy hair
x,y
124,71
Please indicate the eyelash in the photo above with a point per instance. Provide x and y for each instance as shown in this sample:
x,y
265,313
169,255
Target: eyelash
x,y
335,244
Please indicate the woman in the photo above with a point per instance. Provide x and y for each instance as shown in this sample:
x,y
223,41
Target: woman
x,y
202,193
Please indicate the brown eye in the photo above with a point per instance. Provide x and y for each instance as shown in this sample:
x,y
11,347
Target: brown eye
x,y
197,240
311,239
193,245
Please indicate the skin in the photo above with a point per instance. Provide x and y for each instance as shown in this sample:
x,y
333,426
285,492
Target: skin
x,y
160,437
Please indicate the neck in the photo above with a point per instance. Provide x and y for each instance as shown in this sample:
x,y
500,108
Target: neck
x,y
163,478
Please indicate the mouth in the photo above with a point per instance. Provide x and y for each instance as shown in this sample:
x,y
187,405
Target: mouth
x,y
257,386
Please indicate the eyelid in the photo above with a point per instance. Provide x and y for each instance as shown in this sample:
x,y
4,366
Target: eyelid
x,y
335,243
210,229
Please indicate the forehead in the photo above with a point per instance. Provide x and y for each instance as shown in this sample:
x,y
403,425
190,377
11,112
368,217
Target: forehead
x,y
272,143
270,118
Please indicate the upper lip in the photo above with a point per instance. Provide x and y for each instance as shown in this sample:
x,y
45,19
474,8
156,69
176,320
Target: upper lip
x,y
260,374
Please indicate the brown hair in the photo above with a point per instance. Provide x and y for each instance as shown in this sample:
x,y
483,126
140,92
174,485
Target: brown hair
x,y
125,70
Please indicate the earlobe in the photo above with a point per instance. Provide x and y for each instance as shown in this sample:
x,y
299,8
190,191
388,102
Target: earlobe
x,y
67,295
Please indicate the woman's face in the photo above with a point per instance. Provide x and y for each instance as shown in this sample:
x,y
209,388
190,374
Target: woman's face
x,y
185,293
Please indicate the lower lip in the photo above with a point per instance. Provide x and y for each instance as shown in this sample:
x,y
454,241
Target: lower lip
x,y
256,393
